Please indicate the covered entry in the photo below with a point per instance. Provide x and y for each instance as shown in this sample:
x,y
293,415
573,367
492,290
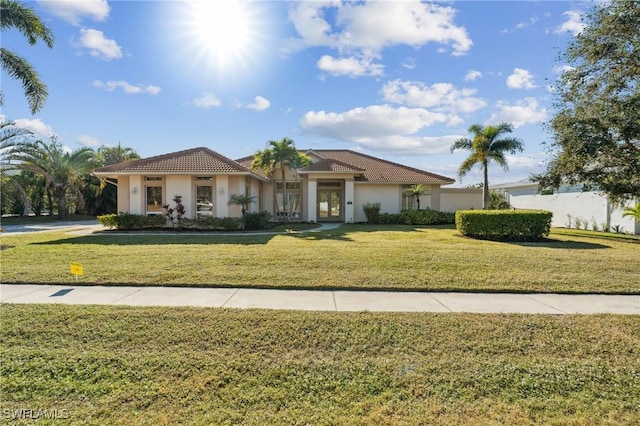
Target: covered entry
x,y
330,195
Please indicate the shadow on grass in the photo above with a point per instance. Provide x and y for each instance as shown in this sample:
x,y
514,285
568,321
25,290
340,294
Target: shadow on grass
x,y
160,239
560,244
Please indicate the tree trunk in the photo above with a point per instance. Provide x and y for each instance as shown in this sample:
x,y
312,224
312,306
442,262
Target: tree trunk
x,y
62,203
284,196
485,188
418,200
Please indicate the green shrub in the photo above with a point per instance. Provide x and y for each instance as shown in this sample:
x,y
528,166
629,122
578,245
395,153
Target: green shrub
x,y
128,221
418,217
372,212
257,220
513,225
108,220
426,217
229,223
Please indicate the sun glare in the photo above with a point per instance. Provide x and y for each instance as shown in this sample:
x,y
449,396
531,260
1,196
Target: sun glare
x,y
224,34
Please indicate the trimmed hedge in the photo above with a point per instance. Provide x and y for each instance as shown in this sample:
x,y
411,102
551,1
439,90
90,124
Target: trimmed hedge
x,y
130,221
417,217
511,225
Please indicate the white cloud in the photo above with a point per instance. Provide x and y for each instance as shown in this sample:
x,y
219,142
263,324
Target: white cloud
x,y
443,97
98,45
73,11
351,67
381,128
36,126
524,24
260,104
525,111
129,89
409,63
573,24
520,79
207,100
363,30
472,75
88,141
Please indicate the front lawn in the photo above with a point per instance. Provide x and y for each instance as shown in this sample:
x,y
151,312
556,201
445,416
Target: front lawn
x,y
162,366
352,256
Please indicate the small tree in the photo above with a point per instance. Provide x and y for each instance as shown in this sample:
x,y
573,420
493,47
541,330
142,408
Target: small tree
x,y
242,200
179,210
416,191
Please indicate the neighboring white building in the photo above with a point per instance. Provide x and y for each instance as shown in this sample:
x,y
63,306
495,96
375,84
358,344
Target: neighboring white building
x,y
333,188
569,204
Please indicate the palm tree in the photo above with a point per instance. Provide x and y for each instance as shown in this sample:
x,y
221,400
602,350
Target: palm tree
x,y
107,155
416,191
279,155
63,171
242,200
487,145
632,211
15,15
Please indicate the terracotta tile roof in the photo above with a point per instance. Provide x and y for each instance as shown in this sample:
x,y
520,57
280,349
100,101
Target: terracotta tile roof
x,y
331,165
190,161
377,170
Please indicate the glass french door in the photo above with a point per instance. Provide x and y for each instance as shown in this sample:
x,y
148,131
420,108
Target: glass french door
x,y
329,205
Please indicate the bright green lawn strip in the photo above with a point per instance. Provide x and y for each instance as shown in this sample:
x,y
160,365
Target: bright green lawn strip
x,y
115,365
356,256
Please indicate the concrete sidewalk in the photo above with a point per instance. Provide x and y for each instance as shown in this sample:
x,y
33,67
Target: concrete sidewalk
x,y
322,300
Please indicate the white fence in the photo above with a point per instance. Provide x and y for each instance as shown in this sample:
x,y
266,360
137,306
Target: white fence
x,y
576,209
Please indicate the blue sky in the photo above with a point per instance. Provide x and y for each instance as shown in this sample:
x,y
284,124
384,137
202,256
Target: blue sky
x,y
398,80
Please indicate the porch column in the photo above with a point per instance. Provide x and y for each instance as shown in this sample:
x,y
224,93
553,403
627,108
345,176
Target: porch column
x,y
137,197
312,199
222,196
349,194
435,197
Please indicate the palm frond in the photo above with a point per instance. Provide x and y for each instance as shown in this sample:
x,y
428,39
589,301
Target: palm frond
x,y
18,68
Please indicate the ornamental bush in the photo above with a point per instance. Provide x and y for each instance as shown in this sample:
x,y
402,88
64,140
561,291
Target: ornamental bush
x,y
128,221
511,225
256,220
372,212
417,217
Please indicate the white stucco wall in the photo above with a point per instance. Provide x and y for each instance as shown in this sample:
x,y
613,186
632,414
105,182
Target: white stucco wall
x,y
389,197
589,207
180,185
452,199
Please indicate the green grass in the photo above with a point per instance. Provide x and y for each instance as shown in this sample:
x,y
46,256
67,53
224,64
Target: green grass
x,y
354,256
120,365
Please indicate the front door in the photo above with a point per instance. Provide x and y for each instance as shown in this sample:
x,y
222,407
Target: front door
x,y
330,206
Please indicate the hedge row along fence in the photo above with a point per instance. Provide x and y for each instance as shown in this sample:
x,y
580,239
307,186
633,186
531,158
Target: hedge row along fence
x,y
511,225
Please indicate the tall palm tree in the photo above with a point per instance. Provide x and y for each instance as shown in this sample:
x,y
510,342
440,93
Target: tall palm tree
x,y
63,171
416,191
279,155
487,145
15,15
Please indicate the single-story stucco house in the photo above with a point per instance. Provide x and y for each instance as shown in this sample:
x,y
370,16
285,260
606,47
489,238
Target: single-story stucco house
x,y
334,187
